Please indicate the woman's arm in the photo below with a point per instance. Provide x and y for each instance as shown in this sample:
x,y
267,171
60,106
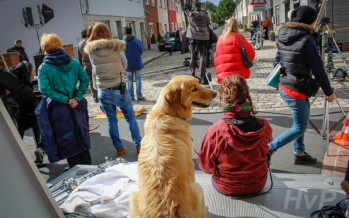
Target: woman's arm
x,y
84,82
248,47
207,157
123,59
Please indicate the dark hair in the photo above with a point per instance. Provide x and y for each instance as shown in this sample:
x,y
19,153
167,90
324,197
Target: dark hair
x,y
234,89
128,30
99,31
197,4
84,33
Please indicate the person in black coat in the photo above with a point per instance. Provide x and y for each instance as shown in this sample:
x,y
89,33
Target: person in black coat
x,y
20,50
27,102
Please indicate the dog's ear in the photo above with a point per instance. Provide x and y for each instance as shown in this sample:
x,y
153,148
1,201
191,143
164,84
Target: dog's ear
x,y
174,96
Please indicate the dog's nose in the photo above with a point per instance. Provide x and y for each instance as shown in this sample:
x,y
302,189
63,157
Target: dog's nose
x,y
214,94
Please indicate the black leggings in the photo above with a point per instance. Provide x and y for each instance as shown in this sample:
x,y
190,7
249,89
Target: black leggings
x,y
81,158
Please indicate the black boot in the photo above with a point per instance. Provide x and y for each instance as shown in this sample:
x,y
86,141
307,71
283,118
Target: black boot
x,y
203,80
304,159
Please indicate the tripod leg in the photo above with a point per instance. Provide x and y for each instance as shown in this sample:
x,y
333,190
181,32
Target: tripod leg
x,y
327,129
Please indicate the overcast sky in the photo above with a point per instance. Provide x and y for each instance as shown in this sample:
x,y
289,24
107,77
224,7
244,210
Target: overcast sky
x,y
213,1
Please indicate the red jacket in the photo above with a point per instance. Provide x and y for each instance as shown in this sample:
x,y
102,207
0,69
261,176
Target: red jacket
x,y
237,160
228,58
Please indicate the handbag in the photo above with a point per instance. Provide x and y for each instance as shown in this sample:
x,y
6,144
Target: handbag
x,y
308,86
273,79
246,60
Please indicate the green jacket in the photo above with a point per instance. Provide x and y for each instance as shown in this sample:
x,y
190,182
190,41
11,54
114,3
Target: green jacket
x,y
59,82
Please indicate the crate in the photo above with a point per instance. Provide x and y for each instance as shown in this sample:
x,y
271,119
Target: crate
x,y
69,49
11,59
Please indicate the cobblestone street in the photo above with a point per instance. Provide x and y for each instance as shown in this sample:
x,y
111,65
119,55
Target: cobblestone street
x,y
156,75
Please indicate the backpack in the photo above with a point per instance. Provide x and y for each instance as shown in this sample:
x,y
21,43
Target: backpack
x,y
340,210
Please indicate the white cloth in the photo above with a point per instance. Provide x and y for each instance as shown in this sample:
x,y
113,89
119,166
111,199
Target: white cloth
x,y
105,195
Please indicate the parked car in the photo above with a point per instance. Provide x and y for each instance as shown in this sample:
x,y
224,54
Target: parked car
x,y
214,25
167,41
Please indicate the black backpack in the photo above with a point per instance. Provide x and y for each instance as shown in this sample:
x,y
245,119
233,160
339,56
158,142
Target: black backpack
x,y
333,211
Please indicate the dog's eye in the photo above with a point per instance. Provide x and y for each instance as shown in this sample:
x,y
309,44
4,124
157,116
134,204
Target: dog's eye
x,y
194,89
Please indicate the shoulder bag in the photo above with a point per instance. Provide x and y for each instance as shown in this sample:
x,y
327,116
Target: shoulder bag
x,y
274,77
246,60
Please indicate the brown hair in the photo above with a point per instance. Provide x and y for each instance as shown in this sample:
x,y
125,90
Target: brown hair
x,y
49,42
234,89
99,31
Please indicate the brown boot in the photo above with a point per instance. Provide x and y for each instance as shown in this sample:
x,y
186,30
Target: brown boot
x,y
138,149
120,151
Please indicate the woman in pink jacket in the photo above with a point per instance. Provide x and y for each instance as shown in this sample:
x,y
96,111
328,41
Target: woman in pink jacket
x,y
228,58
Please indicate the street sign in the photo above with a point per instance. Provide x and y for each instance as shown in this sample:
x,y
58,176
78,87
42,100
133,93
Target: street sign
x,y
259,2
258,7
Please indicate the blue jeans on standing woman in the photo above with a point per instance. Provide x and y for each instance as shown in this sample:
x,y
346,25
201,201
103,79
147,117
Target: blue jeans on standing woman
x,y
110,100
138,77
300,110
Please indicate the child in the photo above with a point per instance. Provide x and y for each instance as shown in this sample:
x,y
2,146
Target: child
x,y
235,148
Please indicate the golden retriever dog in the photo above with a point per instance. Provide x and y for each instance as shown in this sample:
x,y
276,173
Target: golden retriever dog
x,y
167,186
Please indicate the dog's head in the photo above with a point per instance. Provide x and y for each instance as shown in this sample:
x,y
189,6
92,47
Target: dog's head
x,y
181,94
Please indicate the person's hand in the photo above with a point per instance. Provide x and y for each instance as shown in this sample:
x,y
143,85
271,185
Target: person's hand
x,y
73,103
331,98
345,186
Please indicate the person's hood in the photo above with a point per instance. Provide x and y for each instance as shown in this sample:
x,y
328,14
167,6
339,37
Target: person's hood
x,y
127,38
104,47
57,57
245,141
291,31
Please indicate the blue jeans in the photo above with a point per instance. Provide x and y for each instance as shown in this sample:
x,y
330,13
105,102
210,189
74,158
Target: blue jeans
x,y
110,100
300,114
138,77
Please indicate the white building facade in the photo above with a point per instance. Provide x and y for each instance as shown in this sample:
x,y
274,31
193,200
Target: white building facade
x,y
180,16
66,23
116,14
163,17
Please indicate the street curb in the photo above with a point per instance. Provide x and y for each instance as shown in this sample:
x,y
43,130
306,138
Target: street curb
x,y
153,58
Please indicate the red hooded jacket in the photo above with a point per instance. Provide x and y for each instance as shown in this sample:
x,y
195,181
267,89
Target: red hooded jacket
x,y
237,159
228,58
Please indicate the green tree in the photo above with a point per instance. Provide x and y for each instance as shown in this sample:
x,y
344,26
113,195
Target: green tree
x,y
226,9
212,8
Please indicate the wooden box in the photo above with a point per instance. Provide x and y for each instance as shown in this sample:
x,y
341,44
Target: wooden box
x,y
11,59
70,50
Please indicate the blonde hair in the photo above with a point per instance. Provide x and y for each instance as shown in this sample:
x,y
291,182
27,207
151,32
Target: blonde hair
x,y
49,42
231,26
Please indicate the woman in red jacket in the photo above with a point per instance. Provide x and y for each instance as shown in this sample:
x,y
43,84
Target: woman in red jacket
x,y
228,58
234,149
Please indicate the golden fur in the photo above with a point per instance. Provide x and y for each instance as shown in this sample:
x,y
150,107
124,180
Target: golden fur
x,y
167,186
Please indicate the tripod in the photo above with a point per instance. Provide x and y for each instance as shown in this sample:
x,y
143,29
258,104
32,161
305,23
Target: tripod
x,y
326,130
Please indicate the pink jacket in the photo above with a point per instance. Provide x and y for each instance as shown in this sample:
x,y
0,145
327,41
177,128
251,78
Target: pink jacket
x,y
228,58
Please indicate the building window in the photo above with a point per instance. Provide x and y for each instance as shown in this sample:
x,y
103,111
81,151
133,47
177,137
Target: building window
x,y
165,28
147,2
173,5
170,5
173,27
153,2
151,29
160,3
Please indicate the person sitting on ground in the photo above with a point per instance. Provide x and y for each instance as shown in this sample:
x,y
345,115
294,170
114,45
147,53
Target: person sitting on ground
x,y
109,64
300,61
27,102
198,35
234,149
228,58
20,50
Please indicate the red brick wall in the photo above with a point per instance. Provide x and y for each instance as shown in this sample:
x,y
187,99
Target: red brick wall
x,y
11,59
172,16
152,17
